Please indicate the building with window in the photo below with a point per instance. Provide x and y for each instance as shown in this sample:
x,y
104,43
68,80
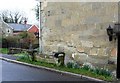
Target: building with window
x,y
5,29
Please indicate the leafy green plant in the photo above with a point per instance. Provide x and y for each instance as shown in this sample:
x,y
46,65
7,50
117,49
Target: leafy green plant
x,y
23,53
10,41
102,71
71,69
70,64
73,65
4,50
76,66
23,57
86,67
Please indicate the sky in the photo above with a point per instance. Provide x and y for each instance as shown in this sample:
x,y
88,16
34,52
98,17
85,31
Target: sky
x,y
27,6
24,6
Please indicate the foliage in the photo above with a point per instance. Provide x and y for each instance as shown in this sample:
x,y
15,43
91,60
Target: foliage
x,y
102,71
86,67
4,50
23,53
72,65
24,57
23,34
37,12
0,40
96,70
4,43
10,41
22,40
76,66
89,65
27,39
35,46
73,70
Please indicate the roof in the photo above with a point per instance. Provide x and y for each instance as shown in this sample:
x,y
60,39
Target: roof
x,y
4,24
19,27
33,28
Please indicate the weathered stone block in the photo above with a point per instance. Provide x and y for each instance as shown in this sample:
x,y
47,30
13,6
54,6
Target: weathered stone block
x,y
114,52
87,43
102,52
94,51
81,50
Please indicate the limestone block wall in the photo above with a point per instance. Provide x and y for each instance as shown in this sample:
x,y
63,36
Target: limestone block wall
x,y
80,29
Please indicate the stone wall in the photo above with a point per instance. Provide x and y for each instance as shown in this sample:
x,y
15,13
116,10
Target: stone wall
x,y
80,29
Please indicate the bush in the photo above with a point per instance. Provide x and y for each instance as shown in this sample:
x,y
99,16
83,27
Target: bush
x,y
4,43
10,41
35,46
27,38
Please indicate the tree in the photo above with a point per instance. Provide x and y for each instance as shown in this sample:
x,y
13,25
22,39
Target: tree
x,y
12,17
27,38
37,12
4,16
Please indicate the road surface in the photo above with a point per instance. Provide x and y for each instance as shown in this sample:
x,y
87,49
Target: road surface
x,y
18,72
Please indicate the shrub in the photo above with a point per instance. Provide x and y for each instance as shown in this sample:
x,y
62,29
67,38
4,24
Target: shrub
x,y
4,43
35,46
10,41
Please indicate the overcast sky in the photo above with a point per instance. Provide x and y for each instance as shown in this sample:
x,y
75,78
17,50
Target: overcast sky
x,y
25,6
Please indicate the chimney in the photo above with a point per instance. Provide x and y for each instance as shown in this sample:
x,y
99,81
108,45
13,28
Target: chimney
x,y
25,22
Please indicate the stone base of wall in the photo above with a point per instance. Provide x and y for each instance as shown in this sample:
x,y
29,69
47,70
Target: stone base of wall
x,y
83,55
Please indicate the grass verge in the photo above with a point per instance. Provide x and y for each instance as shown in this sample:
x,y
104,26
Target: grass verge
x,y
3,50
73,70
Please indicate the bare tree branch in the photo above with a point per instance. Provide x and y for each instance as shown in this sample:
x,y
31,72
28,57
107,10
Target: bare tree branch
x,y
12,17
4,16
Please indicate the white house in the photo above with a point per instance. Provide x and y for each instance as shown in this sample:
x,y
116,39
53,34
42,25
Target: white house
x,y
5,29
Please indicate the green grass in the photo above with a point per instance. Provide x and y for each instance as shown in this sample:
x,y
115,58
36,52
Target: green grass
x,y
73,70
19,54
3,50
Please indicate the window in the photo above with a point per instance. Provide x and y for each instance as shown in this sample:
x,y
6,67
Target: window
x,y
8,31
48,13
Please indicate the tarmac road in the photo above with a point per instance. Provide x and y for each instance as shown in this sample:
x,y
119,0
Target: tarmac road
x,y
18,72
